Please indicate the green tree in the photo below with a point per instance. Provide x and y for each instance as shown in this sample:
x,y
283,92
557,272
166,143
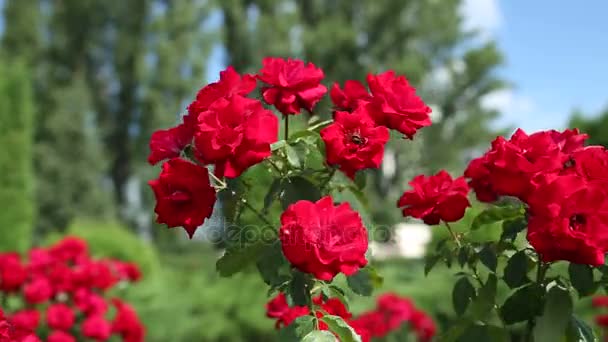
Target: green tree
x,y
16,169
349,39
595,126
107,75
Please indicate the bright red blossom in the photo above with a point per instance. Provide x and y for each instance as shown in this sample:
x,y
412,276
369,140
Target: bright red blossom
x,y
169,143
12,272
184,196
60,336
235,134
353,96
396,105
60,317
230,83
323,239
353,142
97,328
291,84
569,221
435,198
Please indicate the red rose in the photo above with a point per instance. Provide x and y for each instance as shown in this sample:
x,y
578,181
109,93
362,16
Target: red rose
x,y
292,85
96,327
516,164
323,239
569,140
230,83
90,303
590,163
284,314
351,97
277,307
128,271
569,221
70,249
436,198
169,143
38,291
395,309
60,336
235,134
396,104
127,323
183,194
60,317
25,319
479,180
354,142
423,325
600,301
12,272
332,306
368,325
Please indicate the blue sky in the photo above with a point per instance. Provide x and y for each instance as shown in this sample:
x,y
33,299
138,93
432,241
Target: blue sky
x,y
556,57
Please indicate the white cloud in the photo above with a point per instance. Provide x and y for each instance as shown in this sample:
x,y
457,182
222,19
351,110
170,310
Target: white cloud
x,y
506,101
483,15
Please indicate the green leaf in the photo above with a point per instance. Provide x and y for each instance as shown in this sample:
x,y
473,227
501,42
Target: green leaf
x,y
526,303
235,260
364,281
510,228
515,273
278,145
298,188
360,179
337,292
430,261
338,326
462,294
299,289
581,277
579,331
496,214
486,296
292,156
455,331
488,257
463,255
273,266
553,324
484,333
299,328
271,195
319,336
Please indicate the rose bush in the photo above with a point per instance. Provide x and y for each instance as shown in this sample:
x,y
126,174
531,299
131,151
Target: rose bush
x,y
63,294
314,255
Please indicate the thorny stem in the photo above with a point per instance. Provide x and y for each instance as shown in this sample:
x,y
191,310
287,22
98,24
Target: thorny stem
x,y
454,236
256,212
220,182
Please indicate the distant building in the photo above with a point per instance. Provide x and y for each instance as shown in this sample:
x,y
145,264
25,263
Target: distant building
x,y
410,242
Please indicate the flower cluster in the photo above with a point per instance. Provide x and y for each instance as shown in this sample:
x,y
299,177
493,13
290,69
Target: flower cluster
x,y
561,181
279,309
232,132
563,184
64,290
391,314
